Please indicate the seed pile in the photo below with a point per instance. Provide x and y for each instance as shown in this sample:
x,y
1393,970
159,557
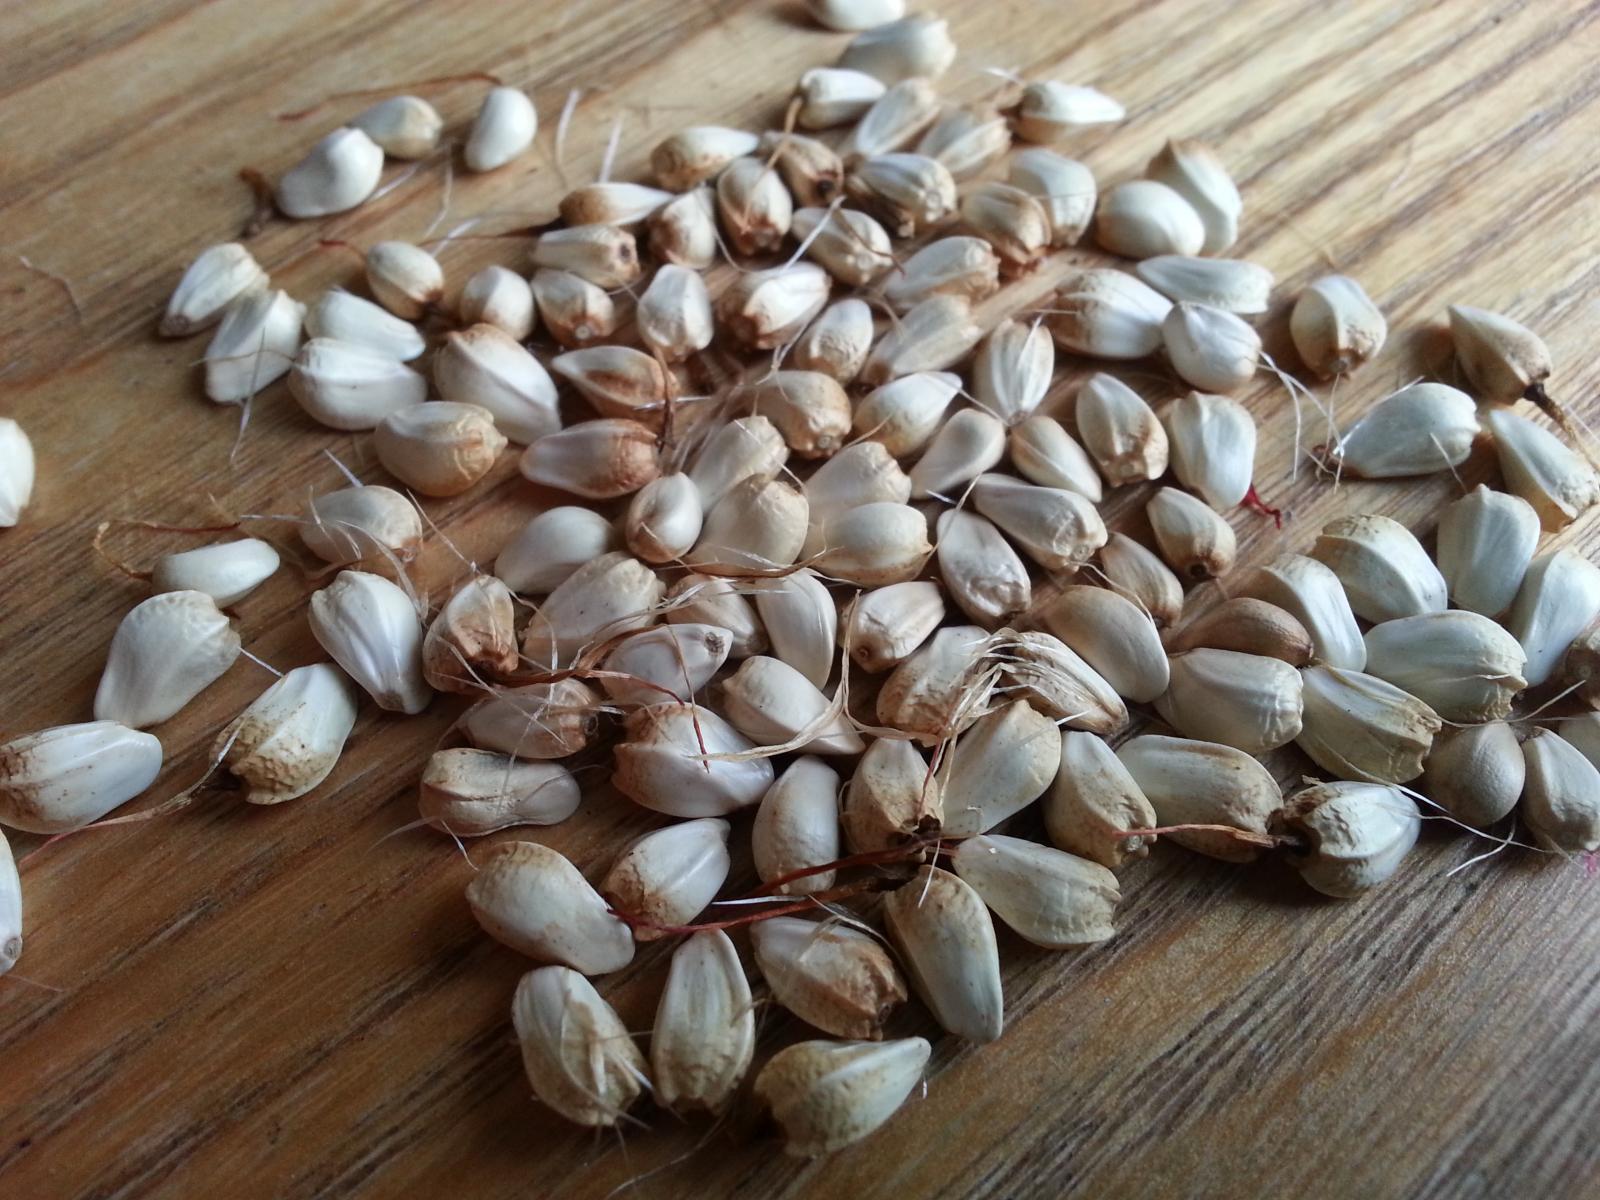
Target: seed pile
x,y
811,509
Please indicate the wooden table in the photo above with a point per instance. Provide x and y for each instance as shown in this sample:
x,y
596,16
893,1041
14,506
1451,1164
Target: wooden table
x,y
294,1003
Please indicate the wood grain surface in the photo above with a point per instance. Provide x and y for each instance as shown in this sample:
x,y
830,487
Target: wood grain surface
x,y
295,1002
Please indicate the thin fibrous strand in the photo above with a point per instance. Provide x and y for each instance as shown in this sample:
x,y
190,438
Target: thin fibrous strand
x,y
806,904
1249,837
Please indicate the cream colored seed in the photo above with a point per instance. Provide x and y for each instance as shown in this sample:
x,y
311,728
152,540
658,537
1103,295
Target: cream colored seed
x,y
1203,783
369,626
1009,219
1355,835
165,652
1247,701
471,793
741,448
903,414
1209,348
895,120
336,175
910,191
1094,801
1310,592
697,154
801,619
619,381
661,763
809,408
1357,726
403,126
1044,453
502,130
892,796
1055,900
754,205
1559,484
1230,284
1335,326
885,626
980,570
967,140
1127,440
10,909
472,639
705,1028
346,318
702,599
773,704
539,721
350,387
485,366
916,45
1384,569
217,277
952,266
829,975
576,1052
1504,360
851,16
552,546
573,310
666,877
499,298
861,473
598,460
1212,444
668,662
1114,636
1136,573
853,247
1476,772
684,230
1463,665
664,519
830,96
439,448
1108,314
1142,218
1561,799
254,344
1059,529
764,309
227,571
812,170
603,255
966,445
1064,186
837,342
627,204
758,525
1193,538
1418,430
1559,598
532,899
1001,765
796,827
1486,541
825,1095
355,522
1193,170
1049,111
69,776
1012,373
935,334
613,594
944,935
405,279
1249,626
940,689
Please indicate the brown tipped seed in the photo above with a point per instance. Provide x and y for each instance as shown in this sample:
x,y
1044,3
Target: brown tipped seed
x,y
1064,186
1142,218
352,523
951,266
1418,430
684,230
826,1095
705,1029
702,599
895,120
801,618
669,662
552,546
686,761
772,703
607,203
1009,219
967,140
572,309
1108,314
873,545
1561,799
980,570
837,342
473,639
911,46
577,1053
1359,727
1213,447
1203,783
166,651
1581,666
619,381
532,899
1114,636
853,247
812,170
999,767
68,776
1210,348
764,309
1249,626
830,97
1476,773
749,446
488,367
942,688
540,721
1354,835
1012,373
1193,170
1384,569
343,317
666,877
1134,572
754,206
1046,454
861,473
1464,665
674,314
470,793
829,975
1486,541
405,279
1247,701
336,175
911,192
1094,801
1311,593
1545,473
1058,529
1122,432
217,277
942,930
797,827
697,154
439,448
499,298
1558,600
904,413
1230,284
664,519
598,460
758,525
502,130
884,626
1504,361
255,344
290,737
603,255
938,333
809,408
1335,326
967,445
1053,899
1192,537
892,797
1049,111
608,596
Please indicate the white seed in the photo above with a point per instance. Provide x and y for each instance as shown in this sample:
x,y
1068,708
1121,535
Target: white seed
x,y
684,230
980,570
874,545
1359,727
825,1095
998,767
748,446
1249,626
1486,541
665,663
703,599
1193,170
772,703
1561,799
439,448
1384,569
1335,326
1193,538
1142,218
1230,284
290,737
572,309
754,205
10,909
1212,442
1043,670
551,547
912,192
540,721
487,367
1094,801
1247,701
946,940
904,414
1060,530
1503,360
404,278
1311,593
1052,899
801,619
883,627
1009,219
598,460
502,130
576,1052
853,247
1049,110
1415,431
674,314
832,96
935,334
336,175
354,522
765,309
619,381
861,473
951,266
850,16
797,827
1064,186
532,899
1558,600
500,298
967,140
610,595
71,775
895,120
1012,373
1545,473
470,793
809,408
916,45
607,203
166,651
663,519
1046,454
1122,432
941,689
473,637
662,763
697,154
705,1029
227,571
1108,314
759,524
811,170
254,345
217,277
370,628
347,386
1202,783
966,445
892,797
348,318
666,877
604,255
1463,665
1114,636
829,975
1138,574
1476,772
16,472
404,127
1210,348
1355,835
837,342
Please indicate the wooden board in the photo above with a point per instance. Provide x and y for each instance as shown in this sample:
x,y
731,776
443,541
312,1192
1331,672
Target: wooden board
x,y
295,1003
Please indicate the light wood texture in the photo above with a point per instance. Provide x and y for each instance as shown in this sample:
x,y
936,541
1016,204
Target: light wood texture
x,y
293,1003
